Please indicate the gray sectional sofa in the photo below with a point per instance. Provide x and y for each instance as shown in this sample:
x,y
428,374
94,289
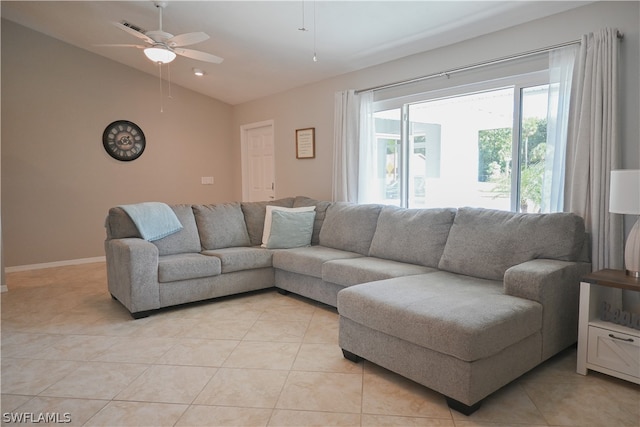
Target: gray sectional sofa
x,y
462,301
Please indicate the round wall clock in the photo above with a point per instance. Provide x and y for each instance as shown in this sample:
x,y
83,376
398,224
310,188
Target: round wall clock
x,y
123,140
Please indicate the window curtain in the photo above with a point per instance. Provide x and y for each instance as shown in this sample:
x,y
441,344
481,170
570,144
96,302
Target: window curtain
x,y
346,121
561,65
593,148
354,164
368,171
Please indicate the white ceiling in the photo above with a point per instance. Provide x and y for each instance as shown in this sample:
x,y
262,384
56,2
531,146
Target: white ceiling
x,y
263,50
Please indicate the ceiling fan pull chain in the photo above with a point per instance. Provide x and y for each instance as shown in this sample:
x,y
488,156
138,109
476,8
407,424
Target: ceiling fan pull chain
x,y
169,79
303,28
315,32
161,96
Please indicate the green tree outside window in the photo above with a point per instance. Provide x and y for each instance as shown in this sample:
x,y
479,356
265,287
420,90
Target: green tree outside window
x,y
494,161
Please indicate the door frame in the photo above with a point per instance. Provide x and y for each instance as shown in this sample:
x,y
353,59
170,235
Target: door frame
x,y
244,150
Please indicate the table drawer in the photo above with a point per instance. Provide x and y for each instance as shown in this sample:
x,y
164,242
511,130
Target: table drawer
x,y
614,350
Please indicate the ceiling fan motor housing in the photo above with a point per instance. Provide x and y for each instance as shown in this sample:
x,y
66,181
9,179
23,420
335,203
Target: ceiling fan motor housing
x,y
159,36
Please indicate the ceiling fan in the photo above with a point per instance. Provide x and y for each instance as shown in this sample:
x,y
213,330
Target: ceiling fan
x,y
162,47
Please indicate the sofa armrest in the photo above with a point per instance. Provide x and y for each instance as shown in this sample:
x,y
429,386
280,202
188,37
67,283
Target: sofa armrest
x,y
132,273
556,286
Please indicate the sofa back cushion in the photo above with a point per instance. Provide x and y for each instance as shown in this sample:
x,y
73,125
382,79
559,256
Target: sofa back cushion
x,y
184,241
349,227
416,236
485,243
120,226
221,225
254,213
321,211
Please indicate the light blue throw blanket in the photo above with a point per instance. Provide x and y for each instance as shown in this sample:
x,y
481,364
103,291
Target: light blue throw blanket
x,y
154,220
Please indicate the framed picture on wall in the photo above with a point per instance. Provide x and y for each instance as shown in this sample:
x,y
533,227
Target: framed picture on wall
x,y
306,143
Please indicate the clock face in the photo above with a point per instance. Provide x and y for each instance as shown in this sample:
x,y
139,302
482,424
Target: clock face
x,y
123,140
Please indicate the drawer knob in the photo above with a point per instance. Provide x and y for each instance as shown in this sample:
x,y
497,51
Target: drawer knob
x,y
621,339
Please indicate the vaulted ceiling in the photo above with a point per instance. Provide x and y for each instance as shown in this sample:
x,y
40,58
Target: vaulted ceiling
x,y
264,50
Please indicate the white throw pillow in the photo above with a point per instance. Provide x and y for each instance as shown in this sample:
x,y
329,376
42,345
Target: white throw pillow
x,y
268,215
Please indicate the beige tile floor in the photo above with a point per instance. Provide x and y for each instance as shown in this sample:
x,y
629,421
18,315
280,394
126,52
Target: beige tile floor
x,y
253,360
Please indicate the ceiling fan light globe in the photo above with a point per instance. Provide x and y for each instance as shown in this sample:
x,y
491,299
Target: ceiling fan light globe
x,y
158,54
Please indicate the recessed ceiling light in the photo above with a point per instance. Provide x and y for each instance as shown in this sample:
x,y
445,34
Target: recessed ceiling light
x,y
198,72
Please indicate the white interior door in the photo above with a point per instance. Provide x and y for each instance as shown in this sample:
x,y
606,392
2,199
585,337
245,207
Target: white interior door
x,y
258,160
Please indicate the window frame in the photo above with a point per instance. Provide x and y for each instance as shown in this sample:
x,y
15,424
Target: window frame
x,y
517,82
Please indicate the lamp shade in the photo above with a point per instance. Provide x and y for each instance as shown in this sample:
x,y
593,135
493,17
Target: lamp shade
x,y
624,196
159,54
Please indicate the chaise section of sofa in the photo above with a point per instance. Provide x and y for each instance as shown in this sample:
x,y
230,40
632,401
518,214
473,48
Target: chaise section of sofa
x,y
504,299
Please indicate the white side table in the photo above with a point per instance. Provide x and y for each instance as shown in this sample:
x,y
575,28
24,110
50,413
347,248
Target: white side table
x,y
607,347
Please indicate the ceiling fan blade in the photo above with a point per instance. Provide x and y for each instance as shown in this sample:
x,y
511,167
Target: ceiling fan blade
x,y
134,32
138,46
187,39
198,55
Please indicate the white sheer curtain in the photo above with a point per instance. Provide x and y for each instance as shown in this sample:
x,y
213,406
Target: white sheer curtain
x,y
368,171
345,146
561,64
354,149
593,148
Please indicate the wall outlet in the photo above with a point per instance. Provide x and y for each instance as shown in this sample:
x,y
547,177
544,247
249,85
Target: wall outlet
x,y
207,180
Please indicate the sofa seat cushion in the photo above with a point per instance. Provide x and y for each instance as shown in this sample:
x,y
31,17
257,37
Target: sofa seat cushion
x,y
461,316
349,272
237,259
187,266
308,260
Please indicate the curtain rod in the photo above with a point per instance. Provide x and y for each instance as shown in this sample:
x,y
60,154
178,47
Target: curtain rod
x,y
473,66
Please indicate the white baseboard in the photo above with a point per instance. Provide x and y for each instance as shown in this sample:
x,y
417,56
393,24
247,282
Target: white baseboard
x,y
54,264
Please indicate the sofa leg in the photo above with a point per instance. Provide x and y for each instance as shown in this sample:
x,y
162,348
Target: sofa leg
x,y
461,407
141,314
350,356
283,291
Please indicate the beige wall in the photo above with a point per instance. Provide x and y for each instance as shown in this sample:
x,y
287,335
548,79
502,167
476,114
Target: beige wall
x,y
57,180
3,286
312,106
